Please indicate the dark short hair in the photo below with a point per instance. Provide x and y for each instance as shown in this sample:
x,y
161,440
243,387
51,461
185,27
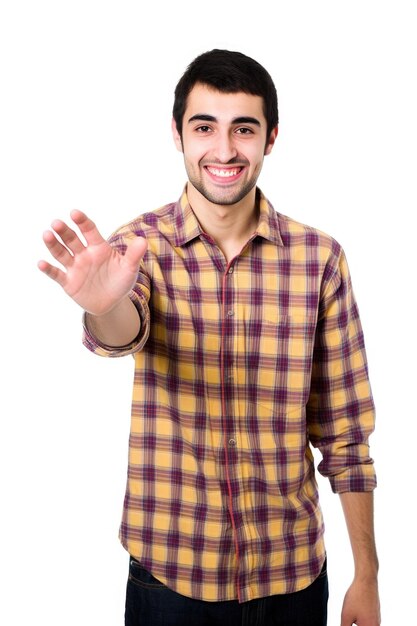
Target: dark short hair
x,y
228,72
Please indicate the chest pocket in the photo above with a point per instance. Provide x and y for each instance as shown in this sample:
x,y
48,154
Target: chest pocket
x,y
289,338
282,352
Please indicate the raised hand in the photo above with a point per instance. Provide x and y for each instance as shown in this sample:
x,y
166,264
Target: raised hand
x,y
95,275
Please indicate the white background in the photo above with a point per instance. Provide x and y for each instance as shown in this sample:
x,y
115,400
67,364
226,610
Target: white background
x,y
87,90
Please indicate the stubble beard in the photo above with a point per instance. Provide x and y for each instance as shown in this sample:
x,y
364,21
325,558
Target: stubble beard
x,y
224,197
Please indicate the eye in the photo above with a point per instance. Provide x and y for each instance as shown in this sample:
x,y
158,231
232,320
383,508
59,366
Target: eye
x,y
203,129
244,131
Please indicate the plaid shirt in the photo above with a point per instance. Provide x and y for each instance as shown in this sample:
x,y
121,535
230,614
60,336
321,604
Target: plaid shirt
x,y
239,367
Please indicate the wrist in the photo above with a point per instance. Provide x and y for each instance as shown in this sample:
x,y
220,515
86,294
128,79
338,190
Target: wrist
x,y
367,572
109,310
118,327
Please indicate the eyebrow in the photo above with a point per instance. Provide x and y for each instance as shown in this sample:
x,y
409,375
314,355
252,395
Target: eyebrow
x,y
202,117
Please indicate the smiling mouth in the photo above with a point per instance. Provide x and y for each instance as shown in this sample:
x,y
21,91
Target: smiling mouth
x,y
224,173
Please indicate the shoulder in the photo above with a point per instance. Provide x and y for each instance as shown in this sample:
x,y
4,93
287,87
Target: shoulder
x,y
151,224
146,222
294,233
313,249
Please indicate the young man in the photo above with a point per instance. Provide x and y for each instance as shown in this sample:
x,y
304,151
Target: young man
x,y
248,348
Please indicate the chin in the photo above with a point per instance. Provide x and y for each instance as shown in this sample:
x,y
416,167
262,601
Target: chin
x,y
225,199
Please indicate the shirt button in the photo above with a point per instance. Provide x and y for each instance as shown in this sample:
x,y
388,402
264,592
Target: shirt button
x,y
230,313
230,270
232,443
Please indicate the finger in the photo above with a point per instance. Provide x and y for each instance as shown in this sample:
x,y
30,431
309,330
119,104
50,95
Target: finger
x,y
68,236
53,272
58,251
87,227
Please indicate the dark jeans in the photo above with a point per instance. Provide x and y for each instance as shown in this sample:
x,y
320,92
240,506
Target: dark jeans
x,y
150,603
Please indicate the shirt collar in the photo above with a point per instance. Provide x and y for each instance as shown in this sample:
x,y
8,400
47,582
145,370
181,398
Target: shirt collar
x,y
187,227
268,225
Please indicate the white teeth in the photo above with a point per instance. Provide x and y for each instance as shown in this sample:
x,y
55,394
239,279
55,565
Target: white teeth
x,y
223,173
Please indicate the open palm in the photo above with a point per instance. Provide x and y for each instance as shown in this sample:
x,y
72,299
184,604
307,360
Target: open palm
x,y
96,276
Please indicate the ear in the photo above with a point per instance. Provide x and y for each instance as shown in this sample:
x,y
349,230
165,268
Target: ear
x,y
271,140
176,136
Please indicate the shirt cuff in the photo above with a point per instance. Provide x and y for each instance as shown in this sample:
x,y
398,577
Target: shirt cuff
x,y
357,478
97,347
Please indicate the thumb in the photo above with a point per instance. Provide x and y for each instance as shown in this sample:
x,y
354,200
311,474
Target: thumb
x,y
135,251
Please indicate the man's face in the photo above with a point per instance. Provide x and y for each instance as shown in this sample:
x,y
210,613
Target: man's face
x,y
224,142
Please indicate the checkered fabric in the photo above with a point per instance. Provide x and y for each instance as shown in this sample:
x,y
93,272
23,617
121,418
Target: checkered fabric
x,y
239,367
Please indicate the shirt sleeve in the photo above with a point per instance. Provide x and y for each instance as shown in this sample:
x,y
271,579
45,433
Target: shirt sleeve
x,y
140,295
340,410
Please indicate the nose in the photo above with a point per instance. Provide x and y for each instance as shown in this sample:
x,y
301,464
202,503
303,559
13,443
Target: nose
x,y
225,149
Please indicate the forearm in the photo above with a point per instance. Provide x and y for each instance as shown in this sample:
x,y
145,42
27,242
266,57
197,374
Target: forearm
x,y
358,508
117,328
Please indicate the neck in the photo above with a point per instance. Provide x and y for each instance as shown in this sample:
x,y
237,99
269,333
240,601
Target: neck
x,y
229,225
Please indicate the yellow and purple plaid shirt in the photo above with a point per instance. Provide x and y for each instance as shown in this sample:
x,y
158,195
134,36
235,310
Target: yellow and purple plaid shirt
x,y
239,367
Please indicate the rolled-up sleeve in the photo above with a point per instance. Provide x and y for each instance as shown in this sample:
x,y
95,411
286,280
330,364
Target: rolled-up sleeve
x,y
139,295
340,410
